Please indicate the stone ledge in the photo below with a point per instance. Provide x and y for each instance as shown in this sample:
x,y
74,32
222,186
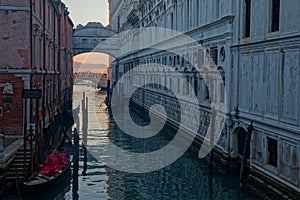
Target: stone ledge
x,y
9,152
276,190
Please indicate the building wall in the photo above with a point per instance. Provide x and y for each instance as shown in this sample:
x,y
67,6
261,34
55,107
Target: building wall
x,y
66,58
11,105
261,72
14,35
15,58
213,32
266,87
34,37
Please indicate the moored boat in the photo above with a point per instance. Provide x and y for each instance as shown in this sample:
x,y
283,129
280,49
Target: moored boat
x,y
54,174
49,177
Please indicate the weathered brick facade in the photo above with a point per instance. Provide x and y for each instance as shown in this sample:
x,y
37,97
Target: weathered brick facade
x,y
36,53
12,106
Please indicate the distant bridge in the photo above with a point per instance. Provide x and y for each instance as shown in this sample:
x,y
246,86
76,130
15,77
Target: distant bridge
x,y
87,76
87,38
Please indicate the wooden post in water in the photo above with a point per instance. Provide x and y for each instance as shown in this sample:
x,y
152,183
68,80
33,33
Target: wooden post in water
x,y
246,154
75,165
84,133
83,112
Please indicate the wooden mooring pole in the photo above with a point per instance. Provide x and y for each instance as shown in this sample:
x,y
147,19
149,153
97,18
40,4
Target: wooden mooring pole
x,y
75,165
85,105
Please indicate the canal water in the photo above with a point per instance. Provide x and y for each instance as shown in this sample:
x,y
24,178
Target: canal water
x,y
186,179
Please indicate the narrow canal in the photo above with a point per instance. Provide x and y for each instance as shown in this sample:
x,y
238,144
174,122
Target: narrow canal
x,y
187,178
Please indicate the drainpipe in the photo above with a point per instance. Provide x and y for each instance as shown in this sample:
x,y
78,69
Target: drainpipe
x,y
54,58
44,60
59,59
30,82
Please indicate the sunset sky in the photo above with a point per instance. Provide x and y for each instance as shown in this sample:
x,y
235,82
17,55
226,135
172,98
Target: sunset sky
x,y
82,12
92,58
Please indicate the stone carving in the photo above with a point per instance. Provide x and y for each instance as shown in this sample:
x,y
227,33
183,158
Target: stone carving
x,y
8,89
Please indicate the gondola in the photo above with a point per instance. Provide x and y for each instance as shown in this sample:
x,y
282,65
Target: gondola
x,y
52,176
39,183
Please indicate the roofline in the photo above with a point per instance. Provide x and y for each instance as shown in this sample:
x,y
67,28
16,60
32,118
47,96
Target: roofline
x,y
55,7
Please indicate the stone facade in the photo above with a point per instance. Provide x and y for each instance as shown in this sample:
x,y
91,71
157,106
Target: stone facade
x,y
265,85
86,38
255,44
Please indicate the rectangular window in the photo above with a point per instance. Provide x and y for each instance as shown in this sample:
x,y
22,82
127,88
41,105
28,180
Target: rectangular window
x,y
182,62
275,15
206,93
172,21
272,151
217,6
222,94
34,51
49,58
196,87
187,88
41,55
118,23
49,17
214,54
45,98
178,85
247,18
200,59
174,61
84,41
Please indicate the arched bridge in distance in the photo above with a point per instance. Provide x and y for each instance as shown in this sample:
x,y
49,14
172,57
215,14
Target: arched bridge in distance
x,y
87,76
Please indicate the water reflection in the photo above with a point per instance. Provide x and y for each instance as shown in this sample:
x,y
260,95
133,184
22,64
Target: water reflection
x,y
187,178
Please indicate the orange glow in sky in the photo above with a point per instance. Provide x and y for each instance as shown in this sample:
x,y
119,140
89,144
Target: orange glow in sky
x,y
92,58
92,62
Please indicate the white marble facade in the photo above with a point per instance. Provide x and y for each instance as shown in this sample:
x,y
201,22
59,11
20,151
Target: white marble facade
x,y
265,85
261,71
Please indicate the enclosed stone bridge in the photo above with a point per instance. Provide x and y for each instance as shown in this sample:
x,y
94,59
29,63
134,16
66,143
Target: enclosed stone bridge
x,y
93,38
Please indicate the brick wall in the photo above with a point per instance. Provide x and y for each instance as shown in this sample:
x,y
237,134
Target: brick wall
x,y
14,34
11,121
